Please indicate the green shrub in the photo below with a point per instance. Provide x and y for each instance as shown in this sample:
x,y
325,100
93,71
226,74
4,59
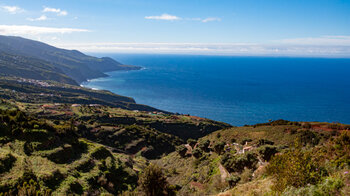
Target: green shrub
x,y
233,180
181,150
308,137
153,182
197,153
338,151
329,186
101,153
236,163
204,145
30,188
267,151
294,168
219,147
6,162
218,135
53,180
262,142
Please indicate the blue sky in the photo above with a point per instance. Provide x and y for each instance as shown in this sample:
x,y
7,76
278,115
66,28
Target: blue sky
x,y
229,27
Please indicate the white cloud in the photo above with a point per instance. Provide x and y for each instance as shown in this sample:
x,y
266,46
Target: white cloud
x,y
58,11
163,17
323,40
41,18
240,49
26,30
12,9
211,19
172,17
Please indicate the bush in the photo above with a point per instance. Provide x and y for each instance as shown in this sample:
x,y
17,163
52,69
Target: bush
x,y
267,151
101,153
197,153
262,142
218,135
6,162
339,150
30,188
204,145
329,186
219,147
308,137
233,180
236,163
181,150
294,168
153,182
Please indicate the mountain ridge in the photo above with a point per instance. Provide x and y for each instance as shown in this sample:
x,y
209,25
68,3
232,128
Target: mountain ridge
x,y
73,63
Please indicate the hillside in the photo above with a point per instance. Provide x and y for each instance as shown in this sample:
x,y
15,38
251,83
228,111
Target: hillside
x,y
95,149
58,138
87,148
277,158
74,64
26,67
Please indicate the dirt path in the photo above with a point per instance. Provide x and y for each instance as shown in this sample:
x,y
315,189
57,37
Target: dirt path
x,y
224,173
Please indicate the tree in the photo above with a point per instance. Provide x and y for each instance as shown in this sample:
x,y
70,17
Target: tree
x,y
153,182
197,153
219,147
204,145
181,150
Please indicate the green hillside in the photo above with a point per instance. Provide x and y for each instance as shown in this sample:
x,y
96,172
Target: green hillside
x,y
277,158
74,64
96,149
26,67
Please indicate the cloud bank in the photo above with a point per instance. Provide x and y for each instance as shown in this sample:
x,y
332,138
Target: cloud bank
x,y
279,48
26,30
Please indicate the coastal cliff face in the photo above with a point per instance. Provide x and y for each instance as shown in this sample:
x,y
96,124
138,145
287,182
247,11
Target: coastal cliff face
x,y
72,63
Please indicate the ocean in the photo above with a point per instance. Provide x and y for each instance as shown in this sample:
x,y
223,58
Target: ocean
x,y
236,90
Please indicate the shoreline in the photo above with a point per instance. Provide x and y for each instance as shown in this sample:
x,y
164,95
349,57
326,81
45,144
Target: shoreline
x,y
82,84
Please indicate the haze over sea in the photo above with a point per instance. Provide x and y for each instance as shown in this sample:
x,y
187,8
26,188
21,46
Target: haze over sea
x,y
237,90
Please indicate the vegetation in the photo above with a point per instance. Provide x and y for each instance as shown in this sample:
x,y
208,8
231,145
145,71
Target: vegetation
x,y
154,183
50,63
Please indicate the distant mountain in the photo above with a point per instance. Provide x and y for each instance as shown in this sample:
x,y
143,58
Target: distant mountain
x,y
73,63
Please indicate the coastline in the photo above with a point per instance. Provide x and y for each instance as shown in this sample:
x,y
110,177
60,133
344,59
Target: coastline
x,y
83,84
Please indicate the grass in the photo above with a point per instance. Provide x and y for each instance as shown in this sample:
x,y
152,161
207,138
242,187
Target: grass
x,y
256,187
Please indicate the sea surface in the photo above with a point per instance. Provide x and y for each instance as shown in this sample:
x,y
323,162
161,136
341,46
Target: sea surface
x,y
236,90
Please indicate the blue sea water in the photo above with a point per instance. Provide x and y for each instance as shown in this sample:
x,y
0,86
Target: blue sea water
x,y
237,90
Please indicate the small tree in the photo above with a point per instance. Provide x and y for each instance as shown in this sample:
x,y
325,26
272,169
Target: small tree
x,y
233,180
197,153
219,147
204,145
181,150
153,182
267,151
